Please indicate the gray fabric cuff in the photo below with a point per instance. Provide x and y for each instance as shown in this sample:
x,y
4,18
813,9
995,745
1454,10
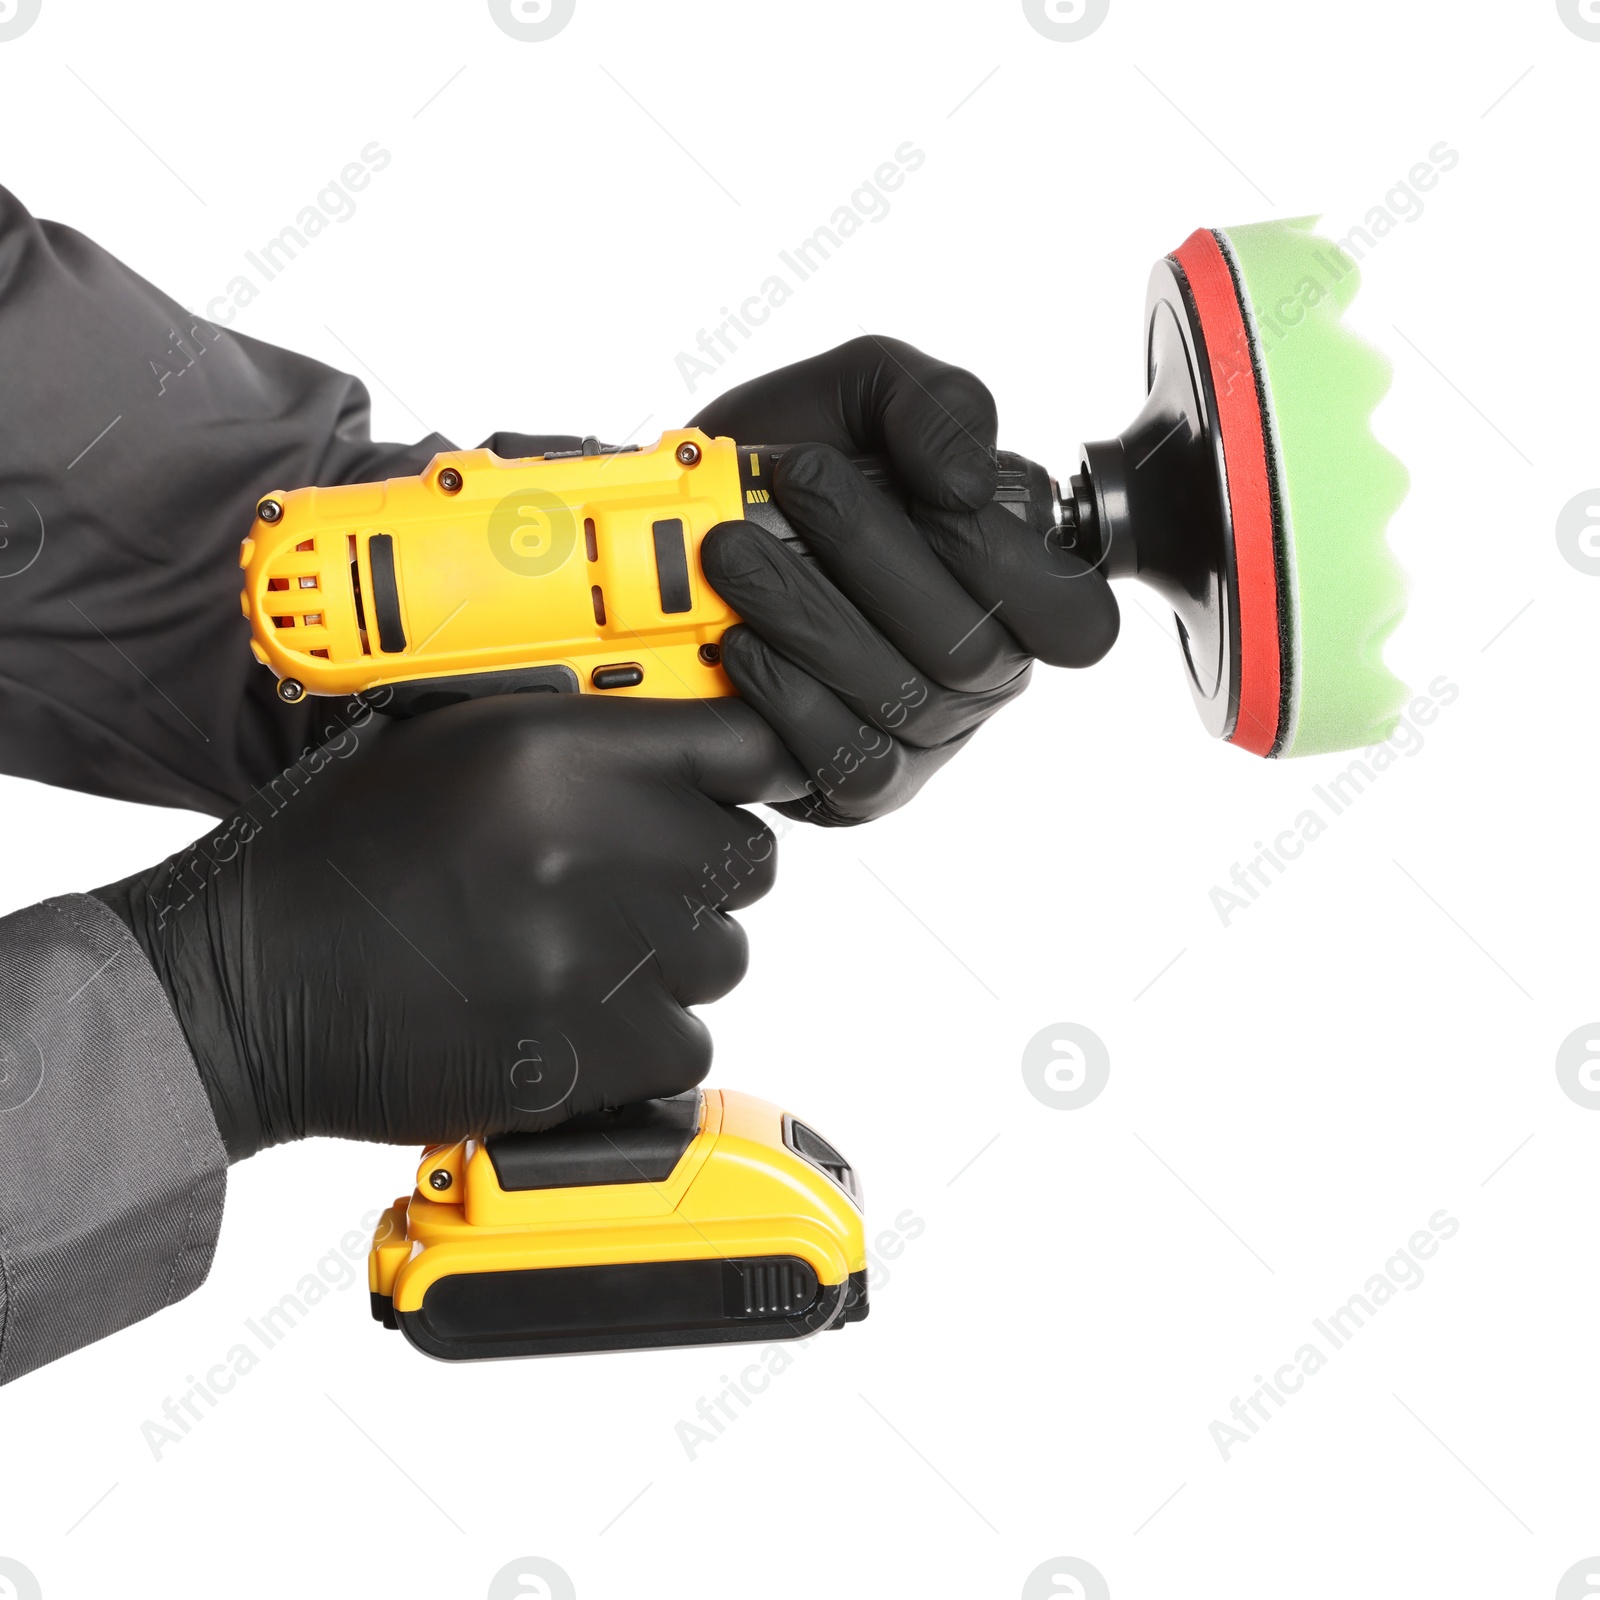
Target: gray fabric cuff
x,y
112,1175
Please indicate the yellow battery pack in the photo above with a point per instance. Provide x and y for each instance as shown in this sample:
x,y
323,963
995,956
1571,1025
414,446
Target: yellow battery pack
x,y
707,1218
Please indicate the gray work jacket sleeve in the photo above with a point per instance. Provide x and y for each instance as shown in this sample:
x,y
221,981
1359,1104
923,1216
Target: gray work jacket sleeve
x,y
112,1174
135,441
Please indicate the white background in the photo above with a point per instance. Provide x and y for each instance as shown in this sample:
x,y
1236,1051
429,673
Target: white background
x,y
1290,1099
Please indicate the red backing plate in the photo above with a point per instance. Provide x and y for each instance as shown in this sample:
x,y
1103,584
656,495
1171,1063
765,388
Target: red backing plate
x,y
1244,451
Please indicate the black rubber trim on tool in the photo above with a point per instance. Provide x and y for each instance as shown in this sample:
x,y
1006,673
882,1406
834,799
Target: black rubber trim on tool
x,y
416,695
1208,394
828,1312
477,1315
638,1143
1288,665
385,594
672,565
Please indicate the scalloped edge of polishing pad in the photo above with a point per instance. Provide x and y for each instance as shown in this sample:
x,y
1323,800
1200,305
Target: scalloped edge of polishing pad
x,y
1337,486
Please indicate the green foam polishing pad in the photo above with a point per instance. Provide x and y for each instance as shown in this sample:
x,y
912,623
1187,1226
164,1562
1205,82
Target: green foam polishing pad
x,y
1333,486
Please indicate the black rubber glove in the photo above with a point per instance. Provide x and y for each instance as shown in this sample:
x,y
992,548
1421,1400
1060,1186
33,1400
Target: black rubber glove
x,y
877,663
490,917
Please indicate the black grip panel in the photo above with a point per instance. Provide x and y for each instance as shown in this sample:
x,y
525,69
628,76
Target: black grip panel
x,y
672,565
386,594
1023,488
416,695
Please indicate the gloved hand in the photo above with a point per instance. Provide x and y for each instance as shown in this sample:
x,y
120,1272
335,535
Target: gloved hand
x,y
123,662
490,917
881,662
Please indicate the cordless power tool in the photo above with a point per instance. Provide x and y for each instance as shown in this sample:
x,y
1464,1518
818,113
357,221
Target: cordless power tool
x,y
1249,493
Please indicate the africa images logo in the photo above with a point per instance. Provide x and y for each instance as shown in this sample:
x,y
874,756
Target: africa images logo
x,y
16,17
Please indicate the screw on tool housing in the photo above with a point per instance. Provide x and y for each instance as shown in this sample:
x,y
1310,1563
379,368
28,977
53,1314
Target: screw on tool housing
x,y
450,480
439,1179
689,453
711,654
269,511
290,690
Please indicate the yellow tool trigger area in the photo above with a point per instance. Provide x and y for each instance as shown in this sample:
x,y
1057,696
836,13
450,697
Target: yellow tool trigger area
x,y
577,570
707,1218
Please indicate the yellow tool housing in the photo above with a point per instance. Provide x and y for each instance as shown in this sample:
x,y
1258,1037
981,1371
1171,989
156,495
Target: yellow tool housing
x,y
708,1218
575,572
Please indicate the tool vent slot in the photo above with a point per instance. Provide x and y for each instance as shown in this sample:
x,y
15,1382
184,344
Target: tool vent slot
x,y
385,594
355,592
591,547
672,565
599,601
